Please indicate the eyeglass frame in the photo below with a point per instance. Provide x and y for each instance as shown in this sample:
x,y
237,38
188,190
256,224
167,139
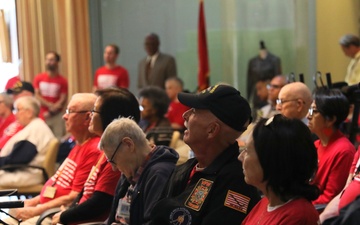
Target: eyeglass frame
x,y
274,86
16,110
280,101
68,111
312,111
94,111
111,160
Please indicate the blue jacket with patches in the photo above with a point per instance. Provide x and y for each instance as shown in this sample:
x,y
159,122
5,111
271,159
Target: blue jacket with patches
x,y
149,187
217,195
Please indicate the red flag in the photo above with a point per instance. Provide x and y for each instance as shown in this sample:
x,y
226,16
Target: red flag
x,y
203,68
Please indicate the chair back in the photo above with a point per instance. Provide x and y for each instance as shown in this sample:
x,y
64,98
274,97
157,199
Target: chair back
x,y
49,163
160,135
176,135
48,167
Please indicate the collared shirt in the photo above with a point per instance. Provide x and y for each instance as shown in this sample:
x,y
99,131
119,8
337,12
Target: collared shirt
x,y
153,59
353,71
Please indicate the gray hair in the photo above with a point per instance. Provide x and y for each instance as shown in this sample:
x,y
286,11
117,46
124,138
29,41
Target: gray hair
x,y
29,102
348,40
8,100
120,128
84,100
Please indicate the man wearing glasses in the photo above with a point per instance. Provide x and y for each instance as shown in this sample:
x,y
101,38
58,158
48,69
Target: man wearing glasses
x,y
294,101
146,170
274,88
27,146
63,187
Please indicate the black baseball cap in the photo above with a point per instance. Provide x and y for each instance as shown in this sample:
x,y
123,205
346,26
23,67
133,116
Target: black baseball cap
x,y
224,101
20,86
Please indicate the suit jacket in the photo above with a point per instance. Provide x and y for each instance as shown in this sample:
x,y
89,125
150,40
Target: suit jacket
x,y
163,68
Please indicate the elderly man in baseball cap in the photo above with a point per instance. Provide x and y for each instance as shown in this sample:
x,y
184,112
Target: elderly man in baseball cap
x,y
210,188
20,89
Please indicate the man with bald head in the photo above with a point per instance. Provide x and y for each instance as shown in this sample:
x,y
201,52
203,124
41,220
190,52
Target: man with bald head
x,y
156,67
294,100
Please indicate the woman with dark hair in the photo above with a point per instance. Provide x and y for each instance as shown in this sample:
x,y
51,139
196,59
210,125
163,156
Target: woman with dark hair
x,y
280,160
154,104
111,104
335,152
95,202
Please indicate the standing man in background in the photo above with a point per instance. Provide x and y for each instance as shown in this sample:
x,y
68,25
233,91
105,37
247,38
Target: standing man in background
x,y
51,90
111,74
350,45
156,67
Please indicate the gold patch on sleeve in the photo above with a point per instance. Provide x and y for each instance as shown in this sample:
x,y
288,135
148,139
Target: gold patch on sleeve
x,y
198,195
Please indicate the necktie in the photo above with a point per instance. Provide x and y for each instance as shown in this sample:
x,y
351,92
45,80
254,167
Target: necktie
x,y
148,70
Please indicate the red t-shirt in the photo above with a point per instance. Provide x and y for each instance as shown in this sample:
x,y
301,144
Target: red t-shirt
x,y
5,122
353,190
334,162
175,112
74,171
103,179
11,82
10,131
118,76
297,211
50,88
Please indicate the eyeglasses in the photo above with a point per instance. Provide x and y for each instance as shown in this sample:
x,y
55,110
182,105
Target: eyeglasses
x,y
68,111
312,111
111,160
281,101
274,86
94,111
16,110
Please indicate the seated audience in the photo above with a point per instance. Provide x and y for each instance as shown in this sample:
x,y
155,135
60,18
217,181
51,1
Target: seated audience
x,y
335,152
6,115
154,104
274,88
268,110
262,90
19,89
210,188
63,187
174,86
260,98
146,168
94,202
28,146
294,101
280,160
10,83
348,195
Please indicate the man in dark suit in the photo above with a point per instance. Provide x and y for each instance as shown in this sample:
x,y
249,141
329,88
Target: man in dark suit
x,y
156,67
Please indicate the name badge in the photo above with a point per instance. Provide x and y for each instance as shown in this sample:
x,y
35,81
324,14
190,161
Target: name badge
x,y
123,211
50,192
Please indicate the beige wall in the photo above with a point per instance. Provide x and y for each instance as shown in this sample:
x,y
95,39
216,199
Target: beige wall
x,y
334,19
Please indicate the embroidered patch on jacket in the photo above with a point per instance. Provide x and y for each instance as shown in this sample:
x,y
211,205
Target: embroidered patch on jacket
x,y
237,201
199,194
180,216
